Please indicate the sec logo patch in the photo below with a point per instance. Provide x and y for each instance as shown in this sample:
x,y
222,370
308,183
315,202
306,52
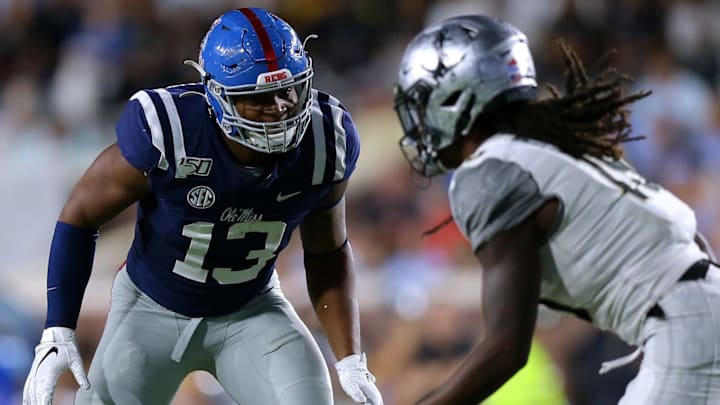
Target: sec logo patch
x,y
201,197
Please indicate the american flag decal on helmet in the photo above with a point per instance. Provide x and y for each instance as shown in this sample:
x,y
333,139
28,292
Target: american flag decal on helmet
x,y
514,71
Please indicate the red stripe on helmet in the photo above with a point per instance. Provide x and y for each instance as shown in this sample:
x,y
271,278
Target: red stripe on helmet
x,y
264,38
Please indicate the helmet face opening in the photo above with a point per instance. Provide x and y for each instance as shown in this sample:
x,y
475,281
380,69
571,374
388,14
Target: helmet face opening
x,y
284,100
421,141
448,75
251,54
270,137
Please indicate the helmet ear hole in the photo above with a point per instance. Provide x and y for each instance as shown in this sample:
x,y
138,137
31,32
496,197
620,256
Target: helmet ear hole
x,y
452,99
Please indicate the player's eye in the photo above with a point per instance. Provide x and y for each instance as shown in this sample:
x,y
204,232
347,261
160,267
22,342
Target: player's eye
x,y
287,94
255,100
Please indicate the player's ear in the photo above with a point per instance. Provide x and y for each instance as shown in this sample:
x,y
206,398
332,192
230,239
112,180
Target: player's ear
x,y
452,156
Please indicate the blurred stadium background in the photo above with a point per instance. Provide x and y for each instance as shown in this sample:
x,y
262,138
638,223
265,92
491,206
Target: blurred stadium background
x,y
67,67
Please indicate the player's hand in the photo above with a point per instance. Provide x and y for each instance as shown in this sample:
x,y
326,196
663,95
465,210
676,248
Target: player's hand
x,y
56,352
357,381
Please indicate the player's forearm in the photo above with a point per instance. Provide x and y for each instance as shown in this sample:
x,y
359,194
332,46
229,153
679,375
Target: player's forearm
x,y
331,286
71,257
484,370
338,315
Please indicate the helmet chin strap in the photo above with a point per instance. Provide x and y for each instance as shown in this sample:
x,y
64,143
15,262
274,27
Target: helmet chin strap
x,y
435,159
442,167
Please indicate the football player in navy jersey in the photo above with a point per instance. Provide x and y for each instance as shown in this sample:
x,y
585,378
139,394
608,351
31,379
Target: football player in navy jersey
x,y
222,171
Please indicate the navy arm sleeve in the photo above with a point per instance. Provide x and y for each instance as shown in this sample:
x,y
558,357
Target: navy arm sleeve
x,y
70,263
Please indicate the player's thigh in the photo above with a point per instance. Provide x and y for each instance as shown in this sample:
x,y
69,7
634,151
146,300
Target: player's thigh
x,y
132,363
271,358
681,362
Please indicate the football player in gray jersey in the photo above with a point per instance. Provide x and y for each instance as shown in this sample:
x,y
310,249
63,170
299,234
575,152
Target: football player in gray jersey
x,y
554,215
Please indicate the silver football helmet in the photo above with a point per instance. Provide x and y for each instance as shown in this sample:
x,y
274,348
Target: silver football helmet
x,y
449,73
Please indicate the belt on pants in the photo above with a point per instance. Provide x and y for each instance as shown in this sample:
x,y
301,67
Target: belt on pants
x,y
697,271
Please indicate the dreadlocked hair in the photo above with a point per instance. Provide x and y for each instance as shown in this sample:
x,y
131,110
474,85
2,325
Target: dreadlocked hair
x,y
590,119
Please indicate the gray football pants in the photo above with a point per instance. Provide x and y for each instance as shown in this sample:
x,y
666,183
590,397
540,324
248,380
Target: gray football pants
x,y
262,354
681,362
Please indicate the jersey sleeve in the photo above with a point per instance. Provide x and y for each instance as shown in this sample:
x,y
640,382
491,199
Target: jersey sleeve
x,y
134,137
352,145
491,197
336,140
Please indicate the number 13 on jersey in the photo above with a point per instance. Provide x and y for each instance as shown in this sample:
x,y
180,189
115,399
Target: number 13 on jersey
x,y
200,234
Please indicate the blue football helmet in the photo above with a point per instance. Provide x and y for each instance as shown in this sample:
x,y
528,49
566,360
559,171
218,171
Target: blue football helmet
x,y
250,51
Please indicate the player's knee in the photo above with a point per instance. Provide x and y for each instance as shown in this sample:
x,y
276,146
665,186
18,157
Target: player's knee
x,y
307,391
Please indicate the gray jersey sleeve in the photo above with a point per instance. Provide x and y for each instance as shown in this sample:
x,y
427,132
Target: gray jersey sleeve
x,y
491,197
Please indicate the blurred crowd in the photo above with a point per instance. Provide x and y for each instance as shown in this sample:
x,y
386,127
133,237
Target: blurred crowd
x,y
68,66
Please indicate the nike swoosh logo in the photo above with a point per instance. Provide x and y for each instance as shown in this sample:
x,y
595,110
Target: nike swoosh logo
x,y
282,197
53,349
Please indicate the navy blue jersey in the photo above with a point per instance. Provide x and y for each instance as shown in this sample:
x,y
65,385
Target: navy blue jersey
x,y
208,234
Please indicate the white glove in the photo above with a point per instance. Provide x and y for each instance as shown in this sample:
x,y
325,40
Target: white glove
x,y
56,352
356,380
